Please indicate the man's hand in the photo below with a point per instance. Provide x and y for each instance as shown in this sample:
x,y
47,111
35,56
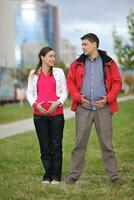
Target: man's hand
x,y
85,102
54,106
41,109
101,103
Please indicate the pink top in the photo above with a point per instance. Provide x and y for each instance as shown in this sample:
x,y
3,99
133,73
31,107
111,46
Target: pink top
x,y
46,91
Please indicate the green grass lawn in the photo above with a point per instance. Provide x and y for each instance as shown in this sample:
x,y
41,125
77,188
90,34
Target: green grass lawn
x,y
122,94
14,112
21,169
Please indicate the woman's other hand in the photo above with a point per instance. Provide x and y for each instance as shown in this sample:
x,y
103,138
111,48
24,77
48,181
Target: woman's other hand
x,y
54,106
41,109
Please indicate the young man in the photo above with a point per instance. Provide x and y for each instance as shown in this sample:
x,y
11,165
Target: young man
x,y
93,83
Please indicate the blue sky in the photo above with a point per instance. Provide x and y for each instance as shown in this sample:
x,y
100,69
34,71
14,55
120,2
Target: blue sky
x,y
79,17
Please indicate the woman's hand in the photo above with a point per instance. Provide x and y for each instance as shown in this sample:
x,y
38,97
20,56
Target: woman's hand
x,y
54,106
41,109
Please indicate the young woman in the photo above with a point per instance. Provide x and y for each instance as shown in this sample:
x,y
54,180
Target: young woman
x,y
46,93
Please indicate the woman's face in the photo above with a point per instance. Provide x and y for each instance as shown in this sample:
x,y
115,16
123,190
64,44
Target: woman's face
x,y
48,59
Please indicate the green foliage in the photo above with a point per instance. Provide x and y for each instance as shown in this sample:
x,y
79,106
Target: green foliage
x,y
125,50
21,76
63,66
129,80
21,169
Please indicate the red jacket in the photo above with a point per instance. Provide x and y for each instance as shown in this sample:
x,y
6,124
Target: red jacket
x,y
112,80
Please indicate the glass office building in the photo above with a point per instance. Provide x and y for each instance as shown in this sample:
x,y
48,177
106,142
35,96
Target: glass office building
x,y
35,26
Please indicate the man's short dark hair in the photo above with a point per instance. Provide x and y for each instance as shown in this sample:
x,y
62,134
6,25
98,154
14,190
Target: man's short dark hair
x,y
92,38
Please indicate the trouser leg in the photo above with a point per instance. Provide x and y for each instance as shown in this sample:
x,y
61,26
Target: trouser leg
x,y
84,120
56,126
103,124
42,130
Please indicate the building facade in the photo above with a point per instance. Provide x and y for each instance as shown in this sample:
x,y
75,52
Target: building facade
x,y
7,34
68,53
34,24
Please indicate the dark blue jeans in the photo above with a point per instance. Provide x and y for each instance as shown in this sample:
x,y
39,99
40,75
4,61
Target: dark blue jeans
x,y
49,130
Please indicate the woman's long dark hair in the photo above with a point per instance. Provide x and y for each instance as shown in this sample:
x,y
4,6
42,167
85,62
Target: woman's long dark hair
x,y
42,52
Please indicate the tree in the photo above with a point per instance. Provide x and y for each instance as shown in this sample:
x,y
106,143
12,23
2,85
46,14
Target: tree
x,y
125,50
21,75
63,66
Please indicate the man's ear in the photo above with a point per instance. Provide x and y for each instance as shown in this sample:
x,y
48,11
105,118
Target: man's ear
x,y
95,44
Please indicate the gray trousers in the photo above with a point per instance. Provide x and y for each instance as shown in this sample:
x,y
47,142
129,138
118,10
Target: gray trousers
x,y
102,119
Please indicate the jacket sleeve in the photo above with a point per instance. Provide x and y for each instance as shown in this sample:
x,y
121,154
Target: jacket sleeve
x,y
30,93
64,92
71,84
116,83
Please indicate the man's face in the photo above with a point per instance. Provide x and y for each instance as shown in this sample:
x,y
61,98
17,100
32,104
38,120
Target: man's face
x,y
88,47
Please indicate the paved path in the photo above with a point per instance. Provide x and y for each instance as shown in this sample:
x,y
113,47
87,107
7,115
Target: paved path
x,y
27,124
24,125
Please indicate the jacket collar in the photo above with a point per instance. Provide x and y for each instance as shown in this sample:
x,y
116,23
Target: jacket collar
x,y
39,71
105,58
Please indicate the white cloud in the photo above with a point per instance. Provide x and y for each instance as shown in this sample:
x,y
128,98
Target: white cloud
x,y
75,31
85,27
82,16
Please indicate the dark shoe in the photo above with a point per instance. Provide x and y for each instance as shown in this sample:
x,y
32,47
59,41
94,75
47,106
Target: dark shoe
x,y
70,181
117,181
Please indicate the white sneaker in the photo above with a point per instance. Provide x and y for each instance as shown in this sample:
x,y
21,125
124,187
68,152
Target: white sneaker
x,y
55,182
46,182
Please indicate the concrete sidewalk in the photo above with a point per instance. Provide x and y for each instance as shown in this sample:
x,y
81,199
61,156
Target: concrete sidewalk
x,y
27,124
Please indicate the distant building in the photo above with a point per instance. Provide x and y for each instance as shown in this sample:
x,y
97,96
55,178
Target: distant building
x,y
68,52
30,52
128,80
7,86
27,25
7,34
